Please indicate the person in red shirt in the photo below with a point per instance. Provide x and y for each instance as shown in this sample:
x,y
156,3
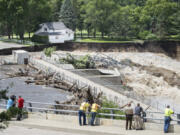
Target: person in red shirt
x,y
20,106
20,102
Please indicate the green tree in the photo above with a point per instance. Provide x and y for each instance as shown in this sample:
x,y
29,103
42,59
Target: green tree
x,y
20,16
156,16
78,6
7,16
56,9
122,24
98,14
67,14
38,12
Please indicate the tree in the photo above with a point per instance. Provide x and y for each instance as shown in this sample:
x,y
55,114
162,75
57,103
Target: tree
x,y
98,14
156,16
56,9
122,22
38,12
7,16
20,16
67,15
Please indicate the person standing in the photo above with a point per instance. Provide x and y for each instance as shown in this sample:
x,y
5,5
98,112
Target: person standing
x,y
94,110
10,103
137,118
168,112
129,116
20,107
82,112
13,97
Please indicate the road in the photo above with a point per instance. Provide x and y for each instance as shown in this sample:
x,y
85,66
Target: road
x,y
4,45
15,130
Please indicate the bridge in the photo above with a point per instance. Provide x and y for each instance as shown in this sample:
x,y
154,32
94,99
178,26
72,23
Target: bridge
x,y
50,120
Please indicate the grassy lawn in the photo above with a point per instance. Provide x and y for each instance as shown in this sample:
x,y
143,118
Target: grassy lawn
x,y
108,41
25,42
26,36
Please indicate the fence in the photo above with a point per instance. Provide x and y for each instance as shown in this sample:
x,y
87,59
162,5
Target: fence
x,y
52,108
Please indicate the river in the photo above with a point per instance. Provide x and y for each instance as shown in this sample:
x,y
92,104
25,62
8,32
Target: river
x,y
30,92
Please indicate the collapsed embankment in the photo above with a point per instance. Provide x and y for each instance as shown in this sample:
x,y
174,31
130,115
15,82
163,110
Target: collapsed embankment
x,y
170,48
152,78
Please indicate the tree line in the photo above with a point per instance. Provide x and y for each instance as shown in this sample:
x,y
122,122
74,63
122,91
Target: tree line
x,y
118,19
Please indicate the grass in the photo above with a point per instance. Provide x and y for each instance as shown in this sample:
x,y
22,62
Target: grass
x,y
106,40
25,42
26,36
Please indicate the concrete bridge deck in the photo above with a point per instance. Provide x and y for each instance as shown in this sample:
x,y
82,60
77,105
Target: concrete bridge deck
x,y
58,127
52,124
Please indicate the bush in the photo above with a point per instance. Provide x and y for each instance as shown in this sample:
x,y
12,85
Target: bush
x,y
143,34
13,111
109,104
4,116
84,62
151,37
48,51
10,113
3,94
40,39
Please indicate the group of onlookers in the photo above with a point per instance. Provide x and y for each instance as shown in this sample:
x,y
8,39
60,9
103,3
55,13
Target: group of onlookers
x,y
82,112
131,113
12,101
137,113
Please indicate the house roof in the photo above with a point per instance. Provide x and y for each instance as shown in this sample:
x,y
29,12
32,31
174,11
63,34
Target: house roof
x,y
55,25
52,26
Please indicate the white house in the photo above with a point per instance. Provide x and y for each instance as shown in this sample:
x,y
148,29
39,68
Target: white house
x,y
57,32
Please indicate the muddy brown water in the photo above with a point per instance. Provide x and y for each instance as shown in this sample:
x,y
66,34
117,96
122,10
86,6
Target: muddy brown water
x,y
30,92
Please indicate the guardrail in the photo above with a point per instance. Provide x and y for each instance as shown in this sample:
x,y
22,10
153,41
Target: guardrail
x,y
29,107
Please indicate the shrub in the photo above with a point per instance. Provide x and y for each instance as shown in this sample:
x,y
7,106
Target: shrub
x,y
151,37
3,94
48,51
143,34
10,113
13,111
84,62
4,116
40,39
110,104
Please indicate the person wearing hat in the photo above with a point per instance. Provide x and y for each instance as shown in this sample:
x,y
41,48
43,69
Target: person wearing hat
x,y
82,112
129,115
94,110
168,112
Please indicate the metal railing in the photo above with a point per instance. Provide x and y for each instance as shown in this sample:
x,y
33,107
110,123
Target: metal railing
x,y
29,106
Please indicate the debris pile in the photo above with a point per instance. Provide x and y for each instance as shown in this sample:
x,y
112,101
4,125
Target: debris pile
x,y
39,77
149,75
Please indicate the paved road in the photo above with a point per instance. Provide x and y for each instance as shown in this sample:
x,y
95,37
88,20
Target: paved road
x,y
15,130
71,128
4,45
